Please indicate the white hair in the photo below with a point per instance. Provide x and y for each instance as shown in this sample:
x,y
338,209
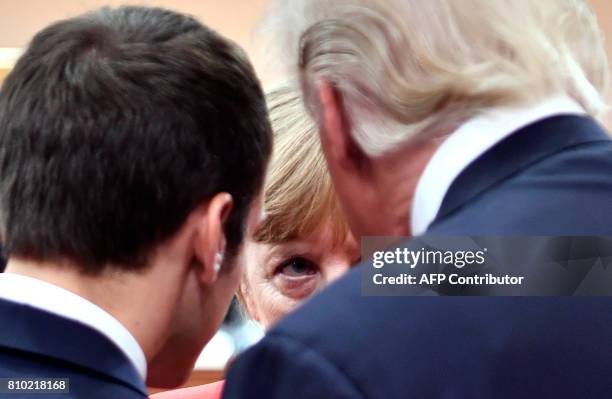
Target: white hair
x,y
409,68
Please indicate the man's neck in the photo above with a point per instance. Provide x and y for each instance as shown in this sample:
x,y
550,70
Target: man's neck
x,y
398,174
123,295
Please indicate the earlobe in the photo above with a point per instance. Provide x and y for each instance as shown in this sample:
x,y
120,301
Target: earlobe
x,y
209,242
218,261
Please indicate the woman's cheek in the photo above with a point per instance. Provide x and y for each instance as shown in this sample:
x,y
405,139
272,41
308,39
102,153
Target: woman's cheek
x,y
297,288
282,296
274,305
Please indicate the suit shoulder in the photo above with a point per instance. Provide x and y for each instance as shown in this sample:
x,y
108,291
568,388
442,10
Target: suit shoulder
x,y
298,371
82,383
564,194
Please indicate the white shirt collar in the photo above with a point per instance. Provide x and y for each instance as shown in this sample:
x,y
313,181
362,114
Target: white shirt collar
x,y
51,298
467,143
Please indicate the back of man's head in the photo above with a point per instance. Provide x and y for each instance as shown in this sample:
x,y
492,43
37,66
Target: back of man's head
x,y
114,126
406,67
388,80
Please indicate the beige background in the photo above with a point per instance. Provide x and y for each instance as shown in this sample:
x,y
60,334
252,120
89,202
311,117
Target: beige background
x,y
20,19
236,19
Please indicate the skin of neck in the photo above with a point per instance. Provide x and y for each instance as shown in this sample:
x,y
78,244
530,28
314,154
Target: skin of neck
x,y
376,192
125,295
395,180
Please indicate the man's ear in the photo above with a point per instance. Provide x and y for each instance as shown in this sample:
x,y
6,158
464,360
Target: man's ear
x,y
209,238
335,131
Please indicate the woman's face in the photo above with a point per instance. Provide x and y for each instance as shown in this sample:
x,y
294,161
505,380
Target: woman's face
x,y
278,277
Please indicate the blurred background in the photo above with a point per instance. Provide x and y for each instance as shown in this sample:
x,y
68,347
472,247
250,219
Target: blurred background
x,y
236,19
20,20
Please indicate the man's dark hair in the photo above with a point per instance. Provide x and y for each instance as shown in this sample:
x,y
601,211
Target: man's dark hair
x,y
115,125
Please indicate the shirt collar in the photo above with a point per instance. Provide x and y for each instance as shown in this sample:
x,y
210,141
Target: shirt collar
x,y
466,144
51,298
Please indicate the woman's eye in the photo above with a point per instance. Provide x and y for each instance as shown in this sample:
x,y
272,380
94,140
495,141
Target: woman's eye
x,y
297,267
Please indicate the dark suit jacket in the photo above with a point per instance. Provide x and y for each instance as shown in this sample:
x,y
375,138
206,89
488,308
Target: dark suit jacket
x,y
553,177
34,343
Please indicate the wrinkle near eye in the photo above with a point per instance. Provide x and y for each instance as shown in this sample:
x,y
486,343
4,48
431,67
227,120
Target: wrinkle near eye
x,y
297,287
279,293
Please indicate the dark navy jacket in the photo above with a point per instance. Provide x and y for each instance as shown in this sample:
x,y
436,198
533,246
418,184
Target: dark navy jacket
x,y
35,343
553,177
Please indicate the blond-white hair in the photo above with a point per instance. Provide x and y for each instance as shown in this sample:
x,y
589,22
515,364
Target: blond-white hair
x,y
299,197
407,68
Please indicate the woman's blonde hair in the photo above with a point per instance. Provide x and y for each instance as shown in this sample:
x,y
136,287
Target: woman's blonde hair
x,y
405,68
298,192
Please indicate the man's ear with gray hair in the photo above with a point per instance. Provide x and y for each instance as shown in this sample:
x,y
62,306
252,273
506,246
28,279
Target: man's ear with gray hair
x,y
335,131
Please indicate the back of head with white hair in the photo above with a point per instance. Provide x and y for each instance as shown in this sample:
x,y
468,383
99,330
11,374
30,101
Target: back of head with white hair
x,y
413,68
